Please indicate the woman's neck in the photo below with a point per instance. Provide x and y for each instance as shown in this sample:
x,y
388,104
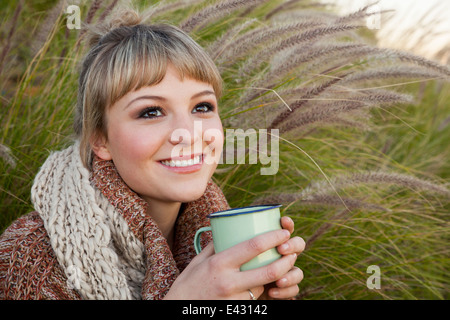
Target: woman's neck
x,y
165,215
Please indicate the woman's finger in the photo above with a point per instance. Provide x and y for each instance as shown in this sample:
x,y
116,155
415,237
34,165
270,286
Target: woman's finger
x,y
287,223
206,252
283,293
247,250
286,287
293,245
254,292
267,274
293,277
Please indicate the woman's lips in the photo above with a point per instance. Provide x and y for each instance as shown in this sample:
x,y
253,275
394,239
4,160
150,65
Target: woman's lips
x,y
184,164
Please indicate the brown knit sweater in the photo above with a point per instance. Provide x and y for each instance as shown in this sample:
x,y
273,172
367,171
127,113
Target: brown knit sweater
x,y
29,268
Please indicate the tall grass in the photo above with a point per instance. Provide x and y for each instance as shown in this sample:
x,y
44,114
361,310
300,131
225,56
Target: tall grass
x,y
364,168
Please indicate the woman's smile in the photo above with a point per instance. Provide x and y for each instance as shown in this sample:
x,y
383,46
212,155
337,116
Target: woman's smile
x,y
187,164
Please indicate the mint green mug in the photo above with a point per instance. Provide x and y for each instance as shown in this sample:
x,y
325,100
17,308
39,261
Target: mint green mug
x,y
234,226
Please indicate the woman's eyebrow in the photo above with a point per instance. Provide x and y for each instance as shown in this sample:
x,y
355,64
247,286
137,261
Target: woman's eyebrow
x,y
197,95
203,93
145,98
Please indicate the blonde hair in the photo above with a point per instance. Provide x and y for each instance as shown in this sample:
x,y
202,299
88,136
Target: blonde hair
x,y
126,56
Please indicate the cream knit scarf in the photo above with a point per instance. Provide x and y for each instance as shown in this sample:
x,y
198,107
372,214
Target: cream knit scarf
x,y
84,229
102,237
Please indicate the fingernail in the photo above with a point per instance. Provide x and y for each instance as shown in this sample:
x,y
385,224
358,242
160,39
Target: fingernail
x,y
284,246
274,292
286,233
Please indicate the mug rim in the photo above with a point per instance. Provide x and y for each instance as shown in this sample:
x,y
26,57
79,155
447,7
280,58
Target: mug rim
x,y
262,207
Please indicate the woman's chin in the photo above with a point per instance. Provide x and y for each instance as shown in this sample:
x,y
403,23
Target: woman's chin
x,y
187,193
190,196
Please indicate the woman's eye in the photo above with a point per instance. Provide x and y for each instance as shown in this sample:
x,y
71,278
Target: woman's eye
x,y
151,112
203,107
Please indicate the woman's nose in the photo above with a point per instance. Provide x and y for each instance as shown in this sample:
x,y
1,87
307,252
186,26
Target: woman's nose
x,y
186,132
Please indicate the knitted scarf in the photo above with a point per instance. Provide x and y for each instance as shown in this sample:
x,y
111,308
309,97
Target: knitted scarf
x,y
102,236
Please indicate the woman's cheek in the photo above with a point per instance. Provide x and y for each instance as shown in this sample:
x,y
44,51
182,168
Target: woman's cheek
x,y
135,143
214,139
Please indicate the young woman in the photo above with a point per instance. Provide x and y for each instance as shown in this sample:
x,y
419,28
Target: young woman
x,y
117,211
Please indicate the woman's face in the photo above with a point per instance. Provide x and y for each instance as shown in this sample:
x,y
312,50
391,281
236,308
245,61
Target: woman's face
x,y
166,139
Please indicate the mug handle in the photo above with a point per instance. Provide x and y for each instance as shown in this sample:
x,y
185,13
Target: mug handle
x,y
197,246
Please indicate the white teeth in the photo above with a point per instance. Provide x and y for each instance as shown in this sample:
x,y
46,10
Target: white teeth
x,y
183,163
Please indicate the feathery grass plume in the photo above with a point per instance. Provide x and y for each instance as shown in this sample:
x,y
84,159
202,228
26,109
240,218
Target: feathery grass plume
x,y
314,59
11,32
329,200
108,10
321,193
344,56
296,96
214,11
393,57
292,60
93,10
315,91
348,122
382,97
248,10
282,7
320,199
412,58
47,26
247,42
309,36
218,46
6,155
326,111
444,124
304,14
163,8
374,177
361,13
319,113
392,72
289,120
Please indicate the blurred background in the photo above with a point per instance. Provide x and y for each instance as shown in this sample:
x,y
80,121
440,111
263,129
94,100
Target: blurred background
x,y
419,26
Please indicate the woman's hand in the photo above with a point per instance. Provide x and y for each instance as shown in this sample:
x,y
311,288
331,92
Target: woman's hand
x,y
218,276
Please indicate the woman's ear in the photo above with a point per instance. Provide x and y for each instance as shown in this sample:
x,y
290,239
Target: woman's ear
x,y
99,145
